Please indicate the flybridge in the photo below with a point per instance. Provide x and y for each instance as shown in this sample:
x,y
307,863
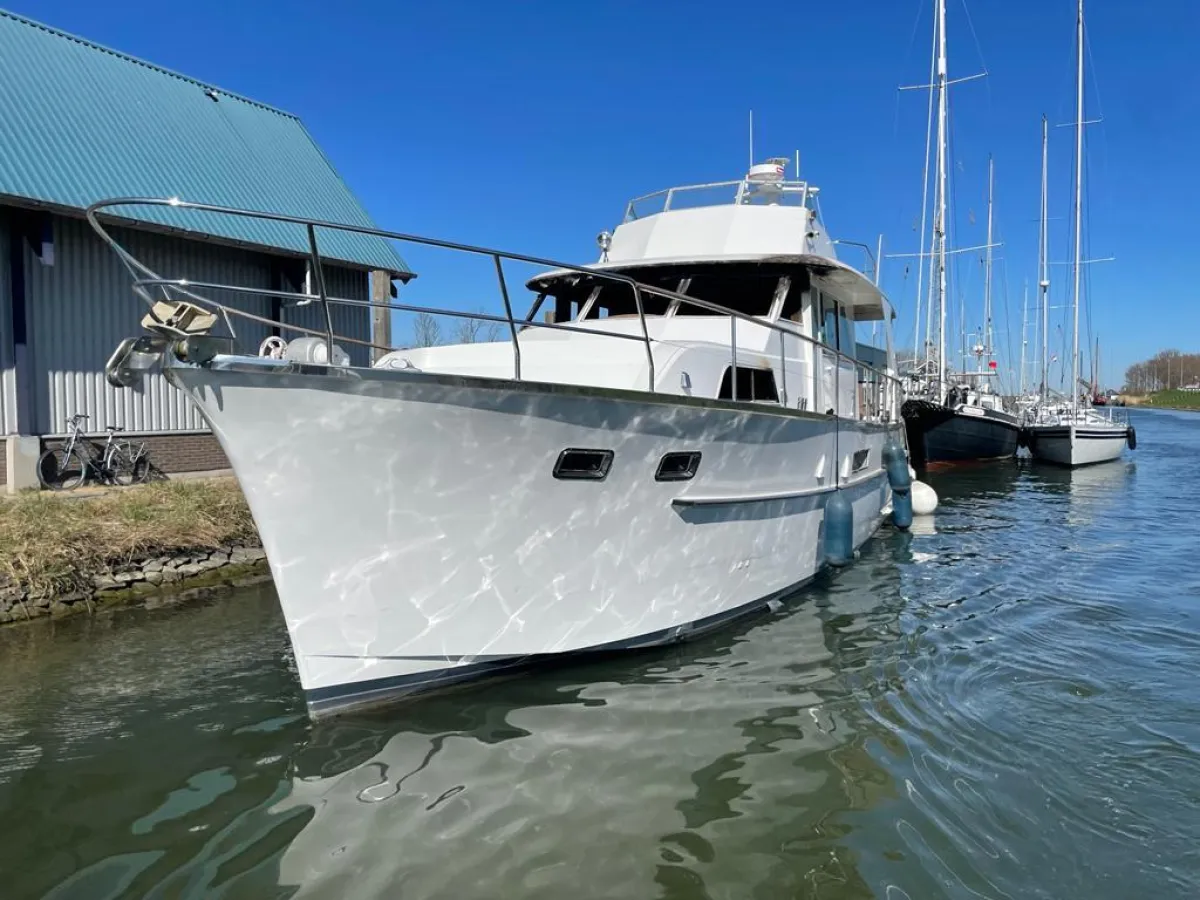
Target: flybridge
x,y
758,216
764,185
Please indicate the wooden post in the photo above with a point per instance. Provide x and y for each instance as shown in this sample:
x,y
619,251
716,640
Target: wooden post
x,y
381,318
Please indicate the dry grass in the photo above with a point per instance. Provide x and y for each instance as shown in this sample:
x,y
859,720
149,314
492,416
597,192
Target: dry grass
x,y
53,543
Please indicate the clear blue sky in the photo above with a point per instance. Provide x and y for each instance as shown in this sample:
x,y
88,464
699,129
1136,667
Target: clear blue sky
x,y
528,125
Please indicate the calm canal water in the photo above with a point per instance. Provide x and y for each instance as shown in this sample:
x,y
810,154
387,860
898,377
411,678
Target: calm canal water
x,y
1005,704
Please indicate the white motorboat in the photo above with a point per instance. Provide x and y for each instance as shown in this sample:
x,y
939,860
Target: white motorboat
x,y
1072,433
649,460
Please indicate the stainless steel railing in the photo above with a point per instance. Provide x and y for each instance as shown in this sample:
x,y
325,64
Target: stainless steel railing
x,y
885,393
717,193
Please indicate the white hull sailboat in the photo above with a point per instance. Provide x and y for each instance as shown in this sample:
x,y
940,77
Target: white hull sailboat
x,y
1079,441
1073,434
662,455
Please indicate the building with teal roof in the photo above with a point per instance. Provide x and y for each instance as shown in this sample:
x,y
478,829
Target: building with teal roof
x,y
81,123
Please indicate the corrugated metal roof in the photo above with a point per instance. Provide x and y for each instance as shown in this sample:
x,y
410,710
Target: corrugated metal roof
x,y
81,123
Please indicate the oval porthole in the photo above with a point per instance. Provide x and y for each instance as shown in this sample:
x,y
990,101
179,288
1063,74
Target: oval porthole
x,y
678,466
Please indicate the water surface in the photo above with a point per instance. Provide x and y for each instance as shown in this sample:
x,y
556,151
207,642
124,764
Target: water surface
x,y
1004,704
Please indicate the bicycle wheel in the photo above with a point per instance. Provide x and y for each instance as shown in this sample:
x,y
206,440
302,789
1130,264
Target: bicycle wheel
x,y
127,467
59,470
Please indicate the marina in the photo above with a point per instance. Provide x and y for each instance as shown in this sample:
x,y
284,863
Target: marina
x,y
720,555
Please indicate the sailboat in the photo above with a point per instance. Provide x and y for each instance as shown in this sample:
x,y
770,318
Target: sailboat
x,y
1073,433
960,420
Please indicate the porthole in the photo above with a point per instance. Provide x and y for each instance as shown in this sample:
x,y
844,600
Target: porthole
x,y
583,465
678,466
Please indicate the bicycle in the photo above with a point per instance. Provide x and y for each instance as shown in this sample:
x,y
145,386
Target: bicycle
x,y
69,466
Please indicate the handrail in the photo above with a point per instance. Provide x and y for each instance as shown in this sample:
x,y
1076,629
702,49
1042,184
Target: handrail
x,y
144,277
785,187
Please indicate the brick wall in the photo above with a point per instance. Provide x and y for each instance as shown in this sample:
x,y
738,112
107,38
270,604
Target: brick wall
x,y
185,452
171,453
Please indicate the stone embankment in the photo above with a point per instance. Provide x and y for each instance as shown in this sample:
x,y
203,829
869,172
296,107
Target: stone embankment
x,y
178,576
76,552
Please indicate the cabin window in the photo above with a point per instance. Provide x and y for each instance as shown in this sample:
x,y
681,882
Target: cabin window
x,y
846,341
829,324
837,326
794,300
753,384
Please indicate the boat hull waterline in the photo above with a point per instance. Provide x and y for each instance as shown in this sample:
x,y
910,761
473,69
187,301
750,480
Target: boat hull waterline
x,y
1076,445
417,534
938,433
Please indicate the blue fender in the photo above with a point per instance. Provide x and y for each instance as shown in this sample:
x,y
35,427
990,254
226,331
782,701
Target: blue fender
x,y
839,530
895,463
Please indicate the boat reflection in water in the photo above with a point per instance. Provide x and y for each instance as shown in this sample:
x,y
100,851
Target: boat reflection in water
x,y
1092,491
622,775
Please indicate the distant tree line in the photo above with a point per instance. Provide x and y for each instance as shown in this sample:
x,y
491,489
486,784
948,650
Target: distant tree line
x,y
427,331
1169,370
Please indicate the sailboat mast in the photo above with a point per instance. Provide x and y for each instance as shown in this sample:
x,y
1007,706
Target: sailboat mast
x,y
921,342
987,271
1024,330
1044,266
939,220
1078,205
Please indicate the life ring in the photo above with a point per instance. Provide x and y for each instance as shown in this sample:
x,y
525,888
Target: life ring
x,y
1131,438
273,347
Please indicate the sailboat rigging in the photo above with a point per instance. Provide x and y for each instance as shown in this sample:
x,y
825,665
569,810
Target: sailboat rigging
x,y
963,419
1072,433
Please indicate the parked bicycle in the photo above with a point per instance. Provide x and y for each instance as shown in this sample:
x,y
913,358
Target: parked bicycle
x,y
70,465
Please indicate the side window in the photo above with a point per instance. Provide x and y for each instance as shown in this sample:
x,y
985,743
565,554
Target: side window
x,y
753,384
829,321
846,339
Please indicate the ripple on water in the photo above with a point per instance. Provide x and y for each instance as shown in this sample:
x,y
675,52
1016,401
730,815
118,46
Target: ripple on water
x,y
998,705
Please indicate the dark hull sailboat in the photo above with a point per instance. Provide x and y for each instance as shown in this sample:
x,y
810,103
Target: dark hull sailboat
x,y
939,433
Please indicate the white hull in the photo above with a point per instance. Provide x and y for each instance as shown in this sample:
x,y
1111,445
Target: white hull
x,y
1078,444
416,532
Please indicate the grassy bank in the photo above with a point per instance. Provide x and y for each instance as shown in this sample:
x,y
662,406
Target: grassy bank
x,y
56,543
1173,400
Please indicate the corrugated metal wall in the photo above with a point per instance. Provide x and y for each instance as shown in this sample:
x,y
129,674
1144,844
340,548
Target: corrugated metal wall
x,y
81,307
8,379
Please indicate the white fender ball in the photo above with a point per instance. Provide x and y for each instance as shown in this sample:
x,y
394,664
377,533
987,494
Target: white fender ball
x,y
924,499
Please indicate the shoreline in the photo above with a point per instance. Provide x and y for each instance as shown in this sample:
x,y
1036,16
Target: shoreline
x,y
157,581
65,554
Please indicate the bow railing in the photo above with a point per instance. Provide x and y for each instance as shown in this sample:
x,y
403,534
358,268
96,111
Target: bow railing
x,y
877,392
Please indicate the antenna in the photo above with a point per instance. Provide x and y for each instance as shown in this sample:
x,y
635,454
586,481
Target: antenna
x,y
796,176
